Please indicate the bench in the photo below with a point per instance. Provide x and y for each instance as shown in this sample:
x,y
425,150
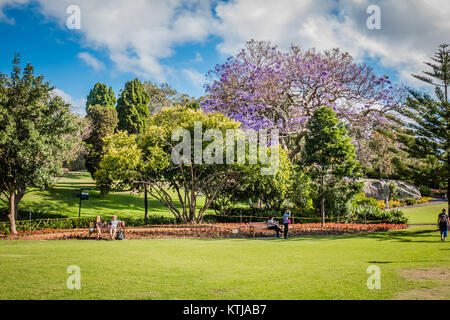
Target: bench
x,y
258,227
104,229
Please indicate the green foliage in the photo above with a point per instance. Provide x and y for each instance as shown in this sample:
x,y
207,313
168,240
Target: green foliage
x,y
361,199
101,95
373,213
427,120
393,191
331,160
103,122
37,131
147,159
132,107
300,193
426,191
272,190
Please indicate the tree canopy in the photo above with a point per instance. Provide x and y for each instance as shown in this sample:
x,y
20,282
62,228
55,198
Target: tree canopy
x,y
37,130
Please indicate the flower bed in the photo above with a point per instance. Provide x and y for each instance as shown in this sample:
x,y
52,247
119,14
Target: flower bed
x,y
209,231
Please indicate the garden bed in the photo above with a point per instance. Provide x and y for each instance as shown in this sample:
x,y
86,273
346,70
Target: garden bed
x,y
209,231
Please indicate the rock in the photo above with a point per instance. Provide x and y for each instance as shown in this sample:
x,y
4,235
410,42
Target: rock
x,y
379,189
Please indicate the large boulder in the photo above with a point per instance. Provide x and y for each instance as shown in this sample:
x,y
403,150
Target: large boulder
x,y
379,189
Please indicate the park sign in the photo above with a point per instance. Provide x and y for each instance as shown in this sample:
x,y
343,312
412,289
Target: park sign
x,y
82,196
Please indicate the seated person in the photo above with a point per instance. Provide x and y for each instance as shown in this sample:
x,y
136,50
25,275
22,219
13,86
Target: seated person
x,y
98,226
113,224
273,225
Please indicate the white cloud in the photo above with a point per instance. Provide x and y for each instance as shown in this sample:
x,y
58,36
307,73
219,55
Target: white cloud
x,y
411,29
197,78
91,61
138,35
78,105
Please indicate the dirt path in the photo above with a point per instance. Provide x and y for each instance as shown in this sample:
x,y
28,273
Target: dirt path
x,y
434,284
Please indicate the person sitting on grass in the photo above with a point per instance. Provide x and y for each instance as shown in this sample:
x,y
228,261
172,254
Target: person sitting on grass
x,y
113,224
98,226
273,225
443,222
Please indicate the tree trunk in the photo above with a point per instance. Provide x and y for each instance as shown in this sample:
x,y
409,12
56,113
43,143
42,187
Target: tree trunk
x,y
323,211
12,212
146,201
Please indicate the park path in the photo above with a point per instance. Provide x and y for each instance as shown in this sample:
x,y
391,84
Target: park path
x,y
431,203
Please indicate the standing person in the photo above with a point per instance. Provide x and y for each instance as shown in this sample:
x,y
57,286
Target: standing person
x,y
443,223
273,225
286,222
98,226
113,224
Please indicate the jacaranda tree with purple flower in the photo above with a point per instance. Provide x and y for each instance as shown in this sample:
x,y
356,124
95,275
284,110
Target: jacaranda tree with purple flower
x,y
264,87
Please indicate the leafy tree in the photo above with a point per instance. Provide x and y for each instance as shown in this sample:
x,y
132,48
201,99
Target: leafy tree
x,y
149,162
263,87
132,107
428,118
328,153
164,96
271,190
101,95
37,131
103,122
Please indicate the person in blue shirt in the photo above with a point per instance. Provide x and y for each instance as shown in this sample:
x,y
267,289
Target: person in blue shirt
x,y
286,222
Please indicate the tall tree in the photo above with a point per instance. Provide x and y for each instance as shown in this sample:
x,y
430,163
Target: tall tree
x,y
328,153
132,107
149,160
101,95
263,87
103,122
428,118
36,132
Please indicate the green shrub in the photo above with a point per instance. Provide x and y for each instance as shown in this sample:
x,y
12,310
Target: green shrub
x,y
361,199
366,213
426,191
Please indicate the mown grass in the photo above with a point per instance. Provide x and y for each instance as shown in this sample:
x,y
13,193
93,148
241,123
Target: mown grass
x,y
424,215
325,267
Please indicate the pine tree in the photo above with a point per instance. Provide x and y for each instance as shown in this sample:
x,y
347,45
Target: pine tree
x,y
428,118
132,107
101,95
328,153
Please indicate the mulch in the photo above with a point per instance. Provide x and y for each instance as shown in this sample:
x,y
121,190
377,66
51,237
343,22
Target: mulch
x,y
207,231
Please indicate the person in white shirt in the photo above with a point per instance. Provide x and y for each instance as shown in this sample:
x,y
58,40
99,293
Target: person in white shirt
x,y
113,224
273,225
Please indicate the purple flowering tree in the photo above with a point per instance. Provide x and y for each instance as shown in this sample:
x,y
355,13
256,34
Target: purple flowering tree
x,y
263,87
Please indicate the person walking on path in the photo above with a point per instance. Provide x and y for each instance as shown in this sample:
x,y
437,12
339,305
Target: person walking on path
x,y
286,223
443,222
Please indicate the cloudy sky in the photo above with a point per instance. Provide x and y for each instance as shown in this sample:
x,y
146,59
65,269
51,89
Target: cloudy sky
x,y
178,41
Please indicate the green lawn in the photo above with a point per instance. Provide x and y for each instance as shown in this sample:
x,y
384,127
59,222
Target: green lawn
x,y
332,267
425,214
60,200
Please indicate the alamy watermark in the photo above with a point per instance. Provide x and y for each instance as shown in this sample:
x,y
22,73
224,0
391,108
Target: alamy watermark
x,y
374,281
240,147
74,280
73,21
374,20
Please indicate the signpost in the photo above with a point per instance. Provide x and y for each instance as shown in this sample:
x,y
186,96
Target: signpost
x,y
82,196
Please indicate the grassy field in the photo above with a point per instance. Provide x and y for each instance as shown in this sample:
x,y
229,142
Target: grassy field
x,y
332,267
412,261
60,201
424,215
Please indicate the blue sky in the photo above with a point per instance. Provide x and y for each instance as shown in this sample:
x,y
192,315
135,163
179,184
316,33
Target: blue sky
x,y
178,41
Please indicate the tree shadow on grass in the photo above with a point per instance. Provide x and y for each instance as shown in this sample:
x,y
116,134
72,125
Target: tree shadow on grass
x,y
62,203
